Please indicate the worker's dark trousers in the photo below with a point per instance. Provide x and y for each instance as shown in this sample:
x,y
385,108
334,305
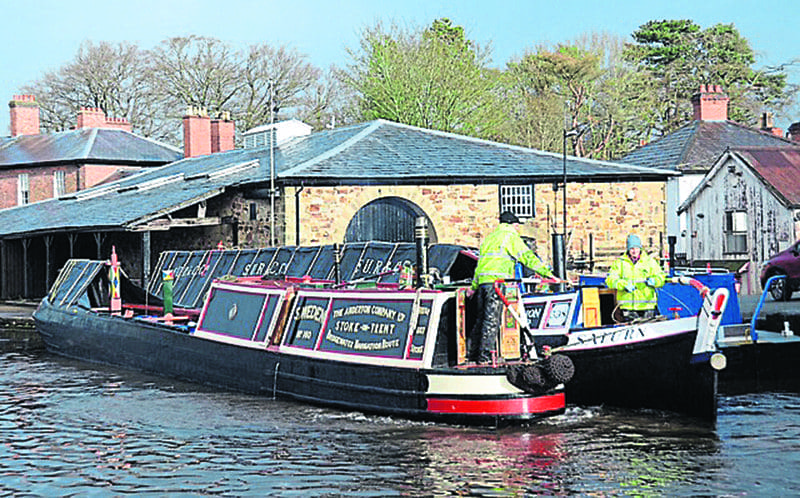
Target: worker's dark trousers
x,y
483,336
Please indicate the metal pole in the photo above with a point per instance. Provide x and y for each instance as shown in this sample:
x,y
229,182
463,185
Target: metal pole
x,y
271,165
564,209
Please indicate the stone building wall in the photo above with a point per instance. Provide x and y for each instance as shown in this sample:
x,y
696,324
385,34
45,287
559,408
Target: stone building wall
x,y
465,214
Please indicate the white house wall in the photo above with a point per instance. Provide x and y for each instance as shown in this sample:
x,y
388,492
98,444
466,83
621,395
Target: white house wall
x,y
771,226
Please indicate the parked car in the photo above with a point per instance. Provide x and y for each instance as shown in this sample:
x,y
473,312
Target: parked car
x,y
787,263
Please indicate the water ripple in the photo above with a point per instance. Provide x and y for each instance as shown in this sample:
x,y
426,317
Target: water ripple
x,y
71,429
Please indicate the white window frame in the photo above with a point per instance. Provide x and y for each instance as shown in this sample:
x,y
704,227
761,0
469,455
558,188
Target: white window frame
x,y
23,189
59,183
735,229
519,199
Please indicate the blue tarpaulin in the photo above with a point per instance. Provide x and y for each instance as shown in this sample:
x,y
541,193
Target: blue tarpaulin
x,y
685,299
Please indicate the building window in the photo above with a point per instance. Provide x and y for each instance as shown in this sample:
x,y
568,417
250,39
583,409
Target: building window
x,y
253,211
735,232
518,199
23,189
59,183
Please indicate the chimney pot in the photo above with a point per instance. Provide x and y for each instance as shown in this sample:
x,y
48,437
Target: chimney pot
x,y
24,111
222,132
710,104
196,133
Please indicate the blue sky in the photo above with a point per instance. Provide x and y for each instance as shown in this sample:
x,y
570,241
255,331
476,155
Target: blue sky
x,y
42,35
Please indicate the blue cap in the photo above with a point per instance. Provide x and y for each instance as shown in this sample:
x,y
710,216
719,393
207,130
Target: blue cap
x,y
633,241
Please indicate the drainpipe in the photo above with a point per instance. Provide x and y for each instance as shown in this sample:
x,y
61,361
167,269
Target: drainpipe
x,y
297,215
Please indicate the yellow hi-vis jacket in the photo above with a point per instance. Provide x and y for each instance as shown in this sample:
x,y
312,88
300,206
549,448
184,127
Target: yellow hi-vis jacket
x,y
500,250
624,271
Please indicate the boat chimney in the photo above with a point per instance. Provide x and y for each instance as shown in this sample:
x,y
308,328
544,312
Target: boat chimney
x,y
559,265
421,236
337,260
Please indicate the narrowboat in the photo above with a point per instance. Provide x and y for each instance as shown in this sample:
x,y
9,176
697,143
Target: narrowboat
x,y
664,363
383,348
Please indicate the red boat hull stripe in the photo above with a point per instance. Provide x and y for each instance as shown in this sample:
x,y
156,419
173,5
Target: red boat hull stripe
x,y
513,406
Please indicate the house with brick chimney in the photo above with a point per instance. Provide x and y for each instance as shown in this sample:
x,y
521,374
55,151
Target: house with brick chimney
x,y
693,150
359,183
36,166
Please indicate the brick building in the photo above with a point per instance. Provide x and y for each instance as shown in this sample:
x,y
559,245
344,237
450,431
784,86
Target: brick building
x,y
35,167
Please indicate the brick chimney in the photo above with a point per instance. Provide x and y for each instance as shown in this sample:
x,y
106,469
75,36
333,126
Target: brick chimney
x,y
196,133
794,132
24,115
710,104
768,125
94,117
222,132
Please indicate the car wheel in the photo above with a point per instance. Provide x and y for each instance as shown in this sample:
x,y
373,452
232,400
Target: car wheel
x,y
779,289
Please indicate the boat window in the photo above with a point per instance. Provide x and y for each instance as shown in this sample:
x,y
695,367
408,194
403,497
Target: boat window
x,y
232,313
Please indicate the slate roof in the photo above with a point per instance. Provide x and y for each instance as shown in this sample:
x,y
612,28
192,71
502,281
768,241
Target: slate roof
x,y
87,145
696,146
377,152
382,151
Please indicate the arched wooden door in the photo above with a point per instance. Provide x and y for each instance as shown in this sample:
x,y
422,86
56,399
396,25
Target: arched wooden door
x,y
388,219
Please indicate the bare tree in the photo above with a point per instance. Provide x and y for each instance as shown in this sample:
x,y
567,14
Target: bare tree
x,y
110,77
280,75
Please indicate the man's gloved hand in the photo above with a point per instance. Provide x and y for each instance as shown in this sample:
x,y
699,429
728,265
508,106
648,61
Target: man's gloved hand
x,y
651,282
629,287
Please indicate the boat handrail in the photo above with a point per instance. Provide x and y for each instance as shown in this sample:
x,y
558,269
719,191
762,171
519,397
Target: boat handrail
x,y
767,284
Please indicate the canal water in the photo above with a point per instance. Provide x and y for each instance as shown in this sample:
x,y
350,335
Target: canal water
x,y
73,429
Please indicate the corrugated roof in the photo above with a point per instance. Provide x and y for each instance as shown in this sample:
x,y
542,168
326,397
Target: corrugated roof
x,y
779,167
697,145
373,152
87,145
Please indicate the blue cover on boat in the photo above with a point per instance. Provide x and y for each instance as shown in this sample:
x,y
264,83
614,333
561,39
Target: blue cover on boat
x,y
686,297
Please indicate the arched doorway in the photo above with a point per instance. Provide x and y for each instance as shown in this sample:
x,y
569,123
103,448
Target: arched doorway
x,y
388,219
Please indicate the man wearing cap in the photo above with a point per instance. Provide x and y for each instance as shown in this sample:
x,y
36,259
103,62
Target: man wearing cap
x,y
499,252
636,276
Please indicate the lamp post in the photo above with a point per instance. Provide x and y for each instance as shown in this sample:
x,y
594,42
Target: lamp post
x,y
271,165
566,134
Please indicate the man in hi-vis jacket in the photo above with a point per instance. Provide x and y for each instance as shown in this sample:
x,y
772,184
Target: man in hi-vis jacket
x,y
499,252
636,276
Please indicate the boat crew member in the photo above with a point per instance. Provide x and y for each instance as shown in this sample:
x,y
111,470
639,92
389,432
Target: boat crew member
x,y
499,252
636,276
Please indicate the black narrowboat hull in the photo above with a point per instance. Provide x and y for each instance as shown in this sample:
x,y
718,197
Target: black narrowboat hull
x,y
655,374
425,394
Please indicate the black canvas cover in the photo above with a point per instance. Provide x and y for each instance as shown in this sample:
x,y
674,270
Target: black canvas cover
x,y
361,261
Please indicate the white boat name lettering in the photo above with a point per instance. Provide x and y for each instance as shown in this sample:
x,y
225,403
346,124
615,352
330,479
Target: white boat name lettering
x,y
376,346
613,336
340,341
371,309
312,312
